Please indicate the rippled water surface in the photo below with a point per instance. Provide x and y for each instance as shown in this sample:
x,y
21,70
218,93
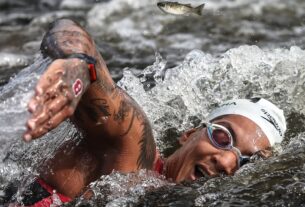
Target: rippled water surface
x,y
177,68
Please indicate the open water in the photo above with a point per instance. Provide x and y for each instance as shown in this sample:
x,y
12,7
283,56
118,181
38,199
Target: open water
x,y
177,68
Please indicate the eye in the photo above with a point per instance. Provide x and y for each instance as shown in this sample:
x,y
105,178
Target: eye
x,y
221,137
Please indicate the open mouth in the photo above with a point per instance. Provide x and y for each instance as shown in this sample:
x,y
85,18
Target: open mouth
x,y
200,172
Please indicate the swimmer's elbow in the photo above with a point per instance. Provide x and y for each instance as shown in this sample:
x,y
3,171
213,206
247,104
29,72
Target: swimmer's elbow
x,y
65,36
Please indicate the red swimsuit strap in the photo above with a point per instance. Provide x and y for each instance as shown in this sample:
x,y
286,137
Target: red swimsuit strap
x,y
159,166
48,188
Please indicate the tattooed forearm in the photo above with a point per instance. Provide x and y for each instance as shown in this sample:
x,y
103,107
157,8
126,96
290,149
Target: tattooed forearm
x,y
72,75
50,48
103,85
74,46
127,121
123,111
129,126
148,147
116,93
97,109
146,140
77,34
65,37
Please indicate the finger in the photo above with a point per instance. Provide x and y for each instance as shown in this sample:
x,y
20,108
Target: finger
x,y
36,121
38,101
45,82
50,109
35,105
57,105
52,74
49,125
53,91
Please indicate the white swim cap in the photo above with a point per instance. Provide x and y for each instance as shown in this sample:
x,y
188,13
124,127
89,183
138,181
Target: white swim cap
x,y
265,114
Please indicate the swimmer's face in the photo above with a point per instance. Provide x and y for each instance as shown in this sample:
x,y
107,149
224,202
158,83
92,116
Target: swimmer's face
x,y
198,157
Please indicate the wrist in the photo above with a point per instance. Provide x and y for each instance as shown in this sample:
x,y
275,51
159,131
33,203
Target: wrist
x,y
91,62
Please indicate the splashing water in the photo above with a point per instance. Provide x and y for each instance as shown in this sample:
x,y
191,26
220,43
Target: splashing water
x,y
119,189
190,90
176,92
179,97
21,160
202,81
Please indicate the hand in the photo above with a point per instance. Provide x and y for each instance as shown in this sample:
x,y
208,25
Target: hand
x,y
57,94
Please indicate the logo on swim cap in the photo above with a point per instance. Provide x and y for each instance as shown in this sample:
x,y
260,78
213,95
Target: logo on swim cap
x,y
272,121
263,113
227,104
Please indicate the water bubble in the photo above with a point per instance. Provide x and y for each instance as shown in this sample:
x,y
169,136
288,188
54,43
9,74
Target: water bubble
x,y
105,118
56,200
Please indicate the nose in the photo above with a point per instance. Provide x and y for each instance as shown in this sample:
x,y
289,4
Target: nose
x,y
225,162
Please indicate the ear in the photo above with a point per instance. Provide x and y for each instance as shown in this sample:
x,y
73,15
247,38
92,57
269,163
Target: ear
x,y
264,153
186,135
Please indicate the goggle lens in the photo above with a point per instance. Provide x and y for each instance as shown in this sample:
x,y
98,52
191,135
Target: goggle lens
x,y
221,138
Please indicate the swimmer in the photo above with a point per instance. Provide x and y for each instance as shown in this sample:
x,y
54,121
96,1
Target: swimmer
x,y
117,133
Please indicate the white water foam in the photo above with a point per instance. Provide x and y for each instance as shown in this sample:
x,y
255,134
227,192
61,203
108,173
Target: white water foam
x,y
202,81
189,90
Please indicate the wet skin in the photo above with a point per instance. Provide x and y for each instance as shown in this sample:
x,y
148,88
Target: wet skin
x,y
199,154
117,133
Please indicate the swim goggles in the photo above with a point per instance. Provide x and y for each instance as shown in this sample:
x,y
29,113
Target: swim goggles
x,y
222,138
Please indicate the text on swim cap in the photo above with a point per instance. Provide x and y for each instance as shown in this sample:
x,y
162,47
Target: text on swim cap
x,y
227,104
272,121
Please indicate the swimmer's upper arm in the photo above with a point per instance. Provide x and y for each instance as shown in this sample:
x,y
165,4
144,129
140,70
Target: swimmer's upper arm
x,y
116,117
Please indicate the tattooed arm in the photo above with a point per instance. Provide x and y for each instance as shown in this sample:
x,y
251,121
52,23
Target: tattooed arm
x,y
106,114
